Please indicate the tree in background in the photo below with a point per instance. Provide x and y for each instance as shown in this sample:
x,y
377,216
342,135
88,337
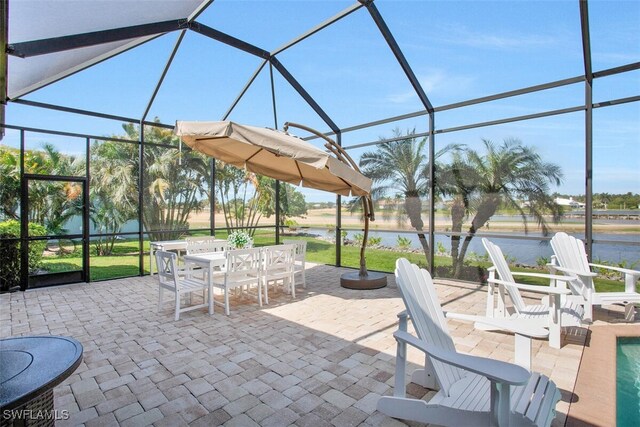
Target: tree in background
x,y
510,175
246,197
113,190
401,168
51,203
9,182
176,182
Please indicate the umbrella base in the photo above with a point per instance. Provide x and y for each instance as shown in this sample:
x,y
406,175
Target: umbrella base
x,y
372,280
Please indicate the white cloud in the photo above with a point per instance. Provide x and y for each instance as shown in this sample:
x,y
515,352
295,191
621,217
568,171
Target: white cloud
x,y
463,36
436,82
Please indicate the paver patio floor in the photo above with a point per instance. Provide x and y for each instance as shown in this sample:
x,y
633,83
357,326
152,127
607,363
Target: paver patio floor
x,y
322,359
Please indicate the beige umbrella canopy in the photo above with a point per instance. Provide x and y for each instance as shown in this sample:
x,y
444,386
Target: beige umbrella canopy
x,y
274,154
287,158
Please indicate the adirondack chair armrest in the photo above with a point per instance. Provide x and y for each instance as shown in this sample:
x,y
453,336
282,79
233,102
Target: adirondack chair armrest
x,y
542,275
517,326
534,288
494,370
576,272
625,271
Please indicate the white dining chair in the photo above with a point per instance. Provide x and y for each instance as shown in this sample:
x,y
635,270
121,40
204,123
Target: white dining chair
x,y
207,244
301,254
242,271
278,268
170,280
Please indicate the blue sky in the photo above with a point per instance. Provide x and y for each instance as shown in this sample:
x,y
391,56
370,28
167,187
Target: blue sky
x,y
458,49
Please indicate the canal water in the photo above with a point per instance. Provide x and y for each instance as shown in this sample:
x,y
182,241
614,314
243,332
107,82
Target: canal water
x,y
526,252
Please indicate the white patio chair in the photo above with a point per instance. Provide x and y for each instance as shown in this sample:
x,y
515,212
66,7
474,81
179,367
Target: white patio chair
x,y
553,311
473,391
570,258
278,267
170,280
301,254
242,271
207,244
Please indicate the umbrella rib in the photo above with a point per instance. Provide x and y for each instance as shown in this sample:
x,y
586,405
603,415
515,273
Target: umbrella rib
x,y
253,155
299,171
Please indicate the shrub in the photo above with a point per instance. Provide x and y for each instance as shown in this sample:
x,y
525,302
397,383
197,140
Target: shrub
x,y
10,252
542,261
374,241
291,223
403,243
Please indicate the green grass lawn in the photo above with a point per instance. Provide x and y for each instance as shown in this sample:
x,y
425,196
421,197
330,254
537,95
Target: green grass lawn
x,y
124,260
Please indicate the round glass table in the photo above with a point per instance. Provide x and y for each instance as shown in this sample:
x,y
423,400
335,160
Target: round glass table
x,y
30,367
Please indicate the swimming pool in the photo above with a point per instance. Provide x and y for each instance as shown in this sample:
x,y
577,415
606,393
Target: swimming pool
x,y
628,382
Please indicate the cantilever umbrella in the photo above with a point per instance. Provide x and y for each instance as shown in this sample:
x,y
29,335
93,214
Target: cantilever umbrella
x,y
287,158
274,154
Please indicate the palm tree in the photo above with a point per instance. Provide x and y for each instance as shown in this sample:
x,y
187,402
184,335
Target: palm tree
x,y
175,182
113,190
401,166
511,175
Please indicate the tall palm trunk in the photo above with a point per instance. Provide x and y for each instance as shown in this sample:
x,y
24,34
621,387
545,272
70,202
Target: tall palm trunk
x,y
487,208
458,212
413,207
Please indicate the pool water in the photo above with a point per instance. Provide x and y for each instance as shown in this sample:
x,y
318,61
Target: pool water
x,y
628,382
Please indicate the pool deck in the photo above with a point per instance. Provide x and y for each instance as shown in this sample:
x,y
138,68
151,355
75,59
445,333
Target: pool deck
x,y
322,359
594,401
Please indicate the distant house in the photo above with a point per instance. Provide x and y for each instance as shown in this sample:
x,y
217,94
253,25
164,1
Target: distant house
x,y
568,202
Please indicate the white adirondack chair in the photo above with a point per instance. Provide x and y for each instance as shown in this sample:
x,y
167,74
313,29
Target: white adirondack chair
x,y
473,391
570,258
171,281
553,311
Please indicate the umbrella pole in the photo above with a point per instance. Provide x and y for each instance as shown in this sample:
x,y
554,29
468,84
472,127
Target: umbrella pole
x,y
363,260
362,279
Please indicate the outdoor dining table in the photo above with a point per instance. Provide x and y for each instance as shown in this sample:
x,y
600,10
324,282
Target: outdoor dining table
x,y
167,245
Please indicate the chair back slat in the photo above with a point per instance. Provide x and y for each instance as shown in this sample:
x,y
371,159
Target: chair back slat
x,y
570,253
167,263
504,273
278,256
421,300
243,262
200,245
300,248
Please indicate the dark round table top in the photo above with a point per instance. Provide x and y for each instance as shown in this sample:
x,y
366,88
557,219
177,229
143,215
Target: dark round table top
x,y
29,366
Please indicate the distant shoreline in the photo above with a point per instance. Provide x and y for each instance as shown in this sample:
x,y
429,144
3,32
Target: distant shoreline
x,y
325,218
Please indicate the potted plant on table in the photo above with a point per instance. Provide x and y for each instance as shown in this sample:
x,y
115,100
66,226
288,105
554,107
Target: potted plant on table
x,y
240,240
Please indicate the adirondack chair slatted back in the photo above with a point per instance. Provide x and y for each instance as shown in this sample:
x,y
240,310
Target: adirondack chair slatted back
x,y
570,253
421,300
167,263
504,273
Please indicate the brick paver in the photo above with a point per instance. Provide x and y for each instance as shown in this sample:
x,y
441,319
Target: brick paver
x,y
322,359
